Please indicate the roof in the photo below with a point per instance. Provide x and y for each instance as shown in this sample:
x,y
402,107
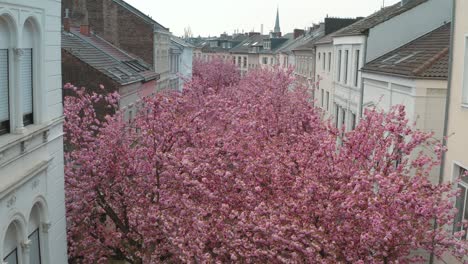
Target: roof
x,y
106,58
140,14
327,39
244,46
181,42
309,44
384,14
425,57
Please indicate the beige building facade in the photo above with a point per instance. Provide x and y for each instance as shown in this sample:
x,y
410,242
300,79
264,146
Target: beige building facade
x,y
456,159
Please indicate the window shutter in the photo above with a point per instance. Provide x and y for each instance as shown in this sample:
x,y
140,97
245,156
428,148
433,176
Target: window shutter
x,y
26,81
4,94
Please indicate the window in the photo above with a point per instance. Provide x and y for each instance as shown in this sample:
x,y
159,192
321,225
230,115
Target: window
x,y
239,59
353,121
462,203
323,62
322,102
26,82
271,61
4,93
35,250
265,60
327,99
319,55
245,61
339,67
346,67
337,112
343,117
465,75
329,61
12,257
356,72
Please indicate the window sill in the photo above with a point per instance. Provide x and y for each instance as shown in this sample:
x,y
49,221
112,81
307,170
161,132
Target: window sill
x,y
11,139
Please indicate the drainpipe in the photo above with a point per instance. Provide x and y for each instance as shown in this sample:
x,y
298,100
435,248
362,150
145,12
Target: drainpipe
x,y
447,106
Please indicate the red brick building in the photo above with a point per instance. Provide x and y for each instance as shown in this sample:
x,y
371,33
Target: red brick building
x,y
127,28
90,61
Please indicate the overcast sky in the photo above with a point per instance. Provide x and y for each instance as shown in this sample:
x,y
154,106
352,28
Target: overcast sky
x,y
213,17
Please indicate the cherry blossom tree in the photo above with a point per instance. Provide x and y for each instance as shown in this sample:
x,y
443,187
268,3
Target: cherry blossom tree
x,y
247,170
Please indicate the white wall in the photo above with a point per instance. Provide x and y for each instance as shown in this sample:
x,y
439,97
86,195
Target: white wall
x,y
325,77
31,157
424,101
185,64
408,26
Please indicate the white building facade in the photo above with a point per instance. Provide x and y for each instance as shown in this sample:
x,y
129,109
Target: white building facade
x,y
32,200
373,37
324,70
181,61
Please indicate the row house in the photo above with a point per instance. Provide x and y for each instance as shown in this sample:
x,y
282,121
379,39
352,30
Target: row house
x,y
181,62
285,56
246,55
306,57
218,48
414,75
87,54
32,198
455,163
324,74
269,49
127,28
372,37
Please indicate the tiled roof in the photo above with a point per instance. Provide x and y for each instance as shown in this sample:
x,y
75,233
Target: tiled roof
x,y
378,17
425,57
106,58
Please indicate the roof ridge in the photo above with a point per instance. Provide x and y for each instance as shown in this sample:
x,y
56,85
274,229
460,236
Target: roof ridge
x,y
429,63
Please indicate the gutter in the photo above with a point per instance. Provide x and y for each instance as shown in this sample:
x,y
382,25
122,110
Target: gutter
x,y
447,105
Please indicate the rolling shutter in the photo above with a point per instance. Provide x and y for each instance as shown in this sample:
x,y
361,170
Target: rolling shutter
x,y
4,94
26,83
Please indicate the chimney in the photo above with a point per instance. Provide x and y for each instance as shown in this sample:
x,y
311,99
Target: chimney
x,y
84,27
298,33
66,21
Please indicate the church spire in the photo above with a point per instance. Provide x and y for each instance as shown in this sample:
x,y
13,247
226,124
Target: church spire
x,y
277,23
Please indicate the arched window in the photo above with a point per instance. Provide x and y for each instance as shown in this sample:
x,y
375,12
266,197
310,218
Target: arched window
x,y
5,44
34,236
26,78
11,252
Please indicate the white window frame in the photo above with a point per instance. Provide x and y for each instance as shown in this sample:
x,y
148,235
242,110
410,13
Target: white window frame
x,y
7,128
464,98
457,171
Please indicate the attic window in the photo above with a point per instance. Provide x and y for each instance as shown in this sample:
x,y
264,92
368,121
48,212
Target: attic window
x,y
255,43
390,58
407,57
136,65
246,44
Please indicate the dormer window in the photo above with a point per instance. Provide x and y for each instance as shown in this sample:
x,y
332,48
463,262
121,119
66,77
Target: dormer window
x,y
267,45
